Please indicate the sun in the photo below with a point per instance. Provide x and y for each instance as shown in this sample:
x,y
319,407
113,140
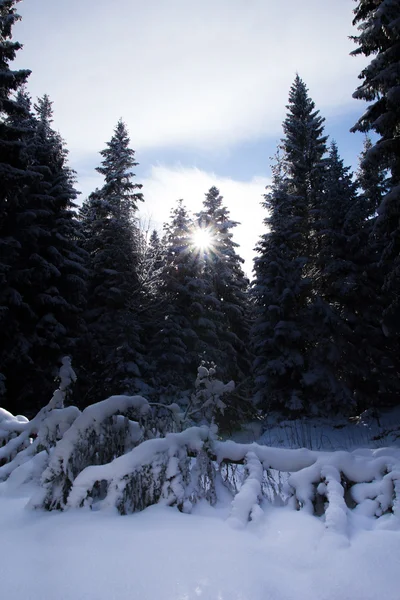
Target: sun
x,y
202,239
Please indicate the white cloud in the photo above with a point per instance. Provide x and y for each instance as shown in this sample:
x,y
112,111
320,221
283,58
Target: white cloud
x,y
191,73
165,186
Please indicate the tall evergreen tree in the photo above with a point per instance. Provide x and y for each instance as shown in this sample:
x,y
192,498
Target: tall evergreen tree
x,y
226,290
175,348
285,267
113,354
13,176
378,384
48,273
372,181
379,36
41,275
338,290
279,293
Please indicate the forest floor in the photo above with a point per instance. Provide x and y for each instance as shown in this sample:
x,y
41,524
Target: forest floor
x,y
162,554
337,433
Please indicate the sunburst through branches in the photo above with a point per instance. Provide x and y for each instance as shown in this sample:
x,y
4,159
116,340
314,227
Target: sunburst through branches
x,y
202,238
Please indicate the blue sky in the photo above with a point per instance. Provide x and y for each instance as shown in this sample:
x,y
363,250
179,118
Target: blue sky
x,y
201,84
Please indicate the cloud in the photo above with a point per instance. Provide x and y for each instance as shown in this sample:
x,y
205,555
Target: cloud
x,y
198,73
165,185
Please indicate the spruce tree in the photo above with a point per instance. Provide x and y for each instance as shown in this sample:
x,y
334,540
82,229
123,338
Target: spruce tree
x,y
55,279
279,293
338,289
378,385
49,274
226,289
112,353
175,347
378,22
285,268
14,175
41,275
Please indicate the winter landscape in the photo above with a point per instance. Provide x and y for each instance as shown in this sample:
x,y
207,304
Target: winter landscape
x,y
199,360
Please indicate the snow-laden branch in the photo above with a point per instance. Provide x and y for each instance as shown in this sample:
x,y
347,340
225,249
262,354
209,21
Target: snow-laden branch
x,y
154,470
102,432
28,438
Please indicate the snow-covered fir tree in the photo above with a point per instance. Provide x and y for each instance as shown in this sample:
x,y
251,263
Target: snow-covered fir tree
x,y
14,175
378,22
42,285
224,323
51,273
279,293
285,265
377,382
335,320
112,351
175,346
227,286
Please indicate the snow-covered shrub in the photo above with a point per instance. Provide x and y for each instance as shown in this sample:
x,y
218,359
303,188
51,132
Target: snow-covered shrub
x,y
102,432
10,426
157,470
29,438
163,419
245,505
206,402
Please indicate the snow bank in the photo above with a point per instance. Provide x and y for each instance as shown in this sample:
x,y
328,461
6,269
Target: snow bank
x,y
26,439
153,471
102,432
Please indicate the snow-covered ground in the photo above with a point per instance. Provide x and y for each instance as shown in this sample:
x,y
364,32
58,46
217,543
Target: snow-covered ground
x,y
161,554
349,553
337,433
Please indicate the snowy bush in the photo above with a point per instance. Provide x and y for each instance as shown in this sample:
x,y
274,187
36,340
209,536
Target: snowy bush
x,y
206,402
156,470
121,454
26,438
10,426
102,432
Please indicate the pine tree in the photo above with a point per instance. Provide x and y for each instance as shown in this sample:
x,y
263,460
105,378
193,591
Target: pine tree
x,y
41,264
113,351
338,288
226,290
175,348
378,385
49,273
55,281
372,181
285,268
14,174
279,293
379,26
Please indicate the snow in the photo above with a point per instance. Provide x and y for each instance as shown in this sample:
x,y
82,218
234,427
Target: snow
x,y
335,433
273,524
161,554
146,453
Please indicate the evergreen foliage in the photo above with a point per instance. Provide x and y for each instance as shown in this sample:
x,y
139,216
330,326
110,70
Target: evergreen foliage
x,y
41,272
13,176
285,268
226,288
140,313
174,348
379,37
112,346
51,272
338,284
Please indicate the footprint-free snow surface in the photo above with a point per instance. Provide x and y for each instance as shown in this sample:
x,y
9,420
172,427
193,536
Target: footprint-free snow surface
x,y
161,554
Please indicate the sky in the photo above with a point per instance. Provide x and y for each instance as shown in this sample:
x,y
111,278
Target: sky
x,y
201,84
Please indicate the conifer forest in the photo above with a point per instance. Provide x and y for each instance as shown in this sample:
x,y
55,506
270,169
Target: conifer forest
x,y
174,424
313,331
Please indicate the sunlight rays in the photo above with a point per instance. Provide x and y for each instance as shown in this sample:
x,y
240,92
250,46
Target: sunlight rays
x,y
202,238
